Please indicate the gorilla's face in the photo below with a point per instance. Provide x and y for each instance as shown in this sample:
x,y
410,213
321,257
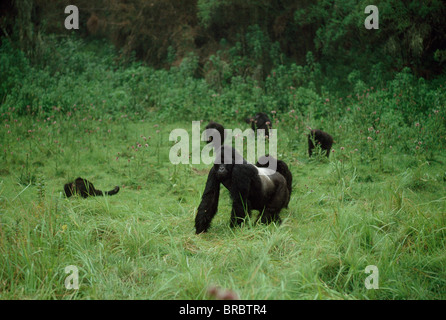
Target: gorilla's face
x,y
223,171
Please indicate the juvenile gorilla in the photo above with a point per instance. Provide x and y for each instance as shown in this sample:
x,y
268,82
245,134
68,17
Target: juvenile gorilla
x,y
85,188
320,138
260,121
251,188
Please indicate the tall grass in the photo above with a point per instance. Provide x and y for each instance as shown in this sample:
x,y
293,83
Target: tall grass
x,y
378,201
344,215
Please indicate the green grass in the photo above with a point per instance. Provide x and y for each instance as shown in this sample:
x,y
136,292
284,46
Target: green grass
x,y
379,200
358,208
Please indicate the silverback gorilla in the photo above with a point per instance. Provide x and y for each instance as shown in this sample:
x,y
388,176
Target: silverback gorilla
x,y
260,121
320,138
251,188
85,188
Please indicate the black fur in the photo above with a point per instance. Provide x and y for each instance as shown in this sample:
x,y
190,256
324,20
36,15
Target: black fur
x,y
250,189
320,138
219,128
260,121
85,188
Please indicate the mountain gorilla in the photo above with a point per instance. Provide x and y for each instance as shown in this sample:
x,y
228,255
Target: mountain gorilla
x,y
85,188
251,188
260,121
320,138
219,128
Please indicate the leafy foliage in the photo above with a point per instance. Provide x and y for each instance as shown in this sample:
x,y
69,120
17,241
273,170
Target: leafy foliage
x,y
254,37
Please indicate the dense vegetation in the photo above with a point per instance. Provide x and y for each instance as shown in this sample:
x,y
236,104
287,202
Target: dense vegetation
x,y
92,106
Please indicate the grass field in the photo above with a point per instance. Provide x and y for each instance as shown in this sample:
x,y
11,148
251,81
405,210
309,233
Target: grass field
x,y
369,204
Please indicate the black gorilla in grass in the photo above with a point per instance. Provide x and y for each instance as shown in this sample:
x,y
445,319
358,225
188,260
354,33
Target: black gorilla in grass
x,y
219,128
251,187
85,188
321,138
260,121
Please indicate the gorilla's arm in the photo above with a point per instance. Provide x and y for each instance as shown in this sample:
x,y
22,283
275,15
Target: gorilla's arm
x,y
209,203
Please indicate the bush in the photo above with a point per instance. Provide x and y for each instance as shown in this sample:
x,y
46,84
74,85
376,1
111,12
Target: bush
x,y
15,68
